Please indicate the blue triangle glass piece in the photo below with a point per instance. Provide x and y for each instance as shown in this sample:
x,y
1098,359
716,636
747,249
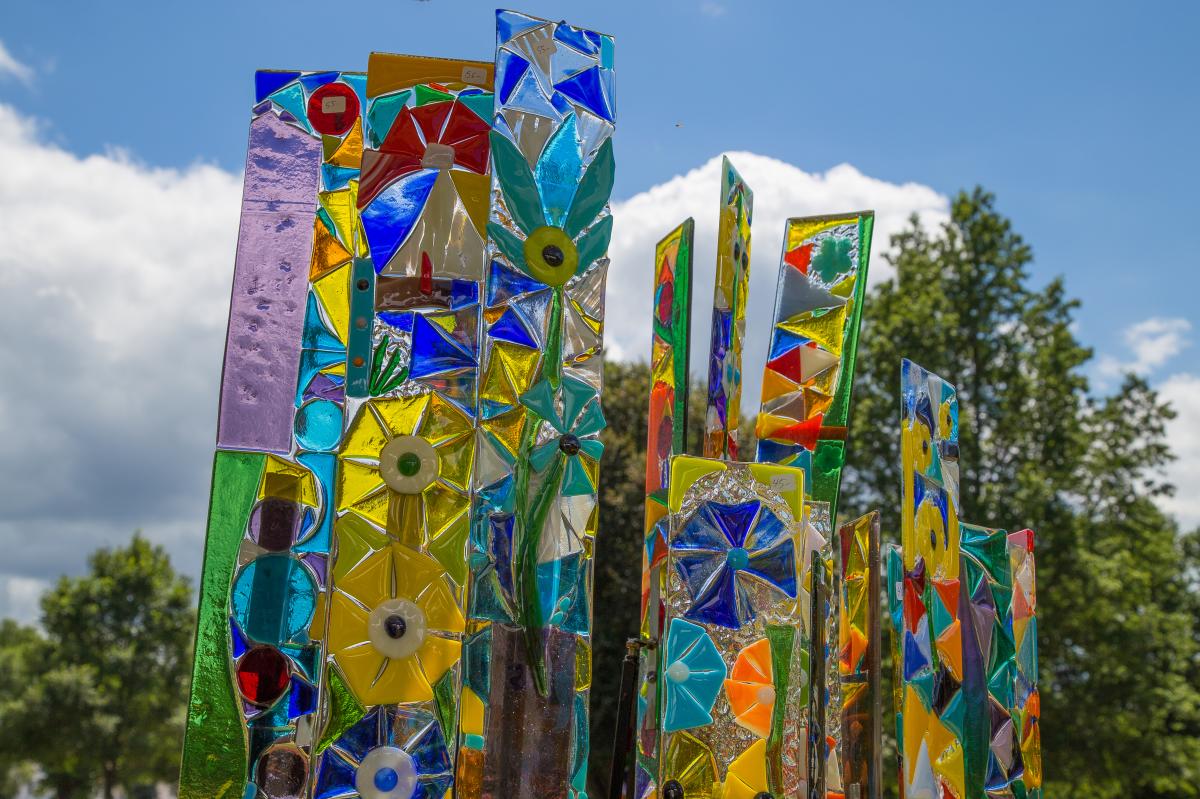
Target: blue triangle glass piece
x,y
432,352
717,601
701,532
504,283
401,320
481,103
586,89
735,520
510,68
529,96
768,531
390,217
560,104
239,642
584,41
463,293
914,658
501,525
514,23
509,328
302,699
336,177
428,752
315,80
268,81
777,566
291,99
782,341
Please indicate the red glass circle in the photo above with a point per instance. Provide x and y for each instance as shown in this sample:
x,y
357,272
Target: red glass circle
x,y
332,109
262,675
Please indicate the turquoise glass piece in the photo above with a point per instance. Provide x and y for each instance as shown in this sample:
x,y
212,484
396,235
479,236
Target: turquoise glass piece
x,y
291,99
518,184
693,674
319,426
594,189
557,173
273,600
594,244
382,113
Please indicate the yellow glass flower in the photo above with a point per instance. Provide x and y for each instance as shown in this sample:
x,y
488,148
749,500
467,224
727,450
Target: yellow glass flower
x,y
406,466
394,624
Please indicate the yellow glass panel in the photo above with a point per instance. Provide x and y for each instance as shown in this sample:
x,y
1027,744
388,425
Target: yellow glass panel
x,y
437,655
356,540
583,667
366,435
401,416
370,582
442,506
349,152
347,623
827,329
472,710
747,776
444,421
473,191
333,290
401,681
800,229
455,459
387,72
438,603
327,252
357,482
685,471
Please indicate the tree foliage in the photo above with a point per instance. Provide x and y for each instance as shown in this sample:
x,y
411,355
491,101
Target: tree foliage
x,y
101,691
1118,627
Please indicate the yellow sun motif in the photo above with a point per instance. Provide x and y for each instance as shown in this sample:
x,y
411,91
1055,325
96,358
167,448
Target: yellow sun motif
x,y
394,625
405,466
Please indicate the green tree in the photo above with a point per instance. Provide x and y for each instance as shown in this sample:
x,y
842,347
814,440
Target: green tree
x,y
103,696
1118,629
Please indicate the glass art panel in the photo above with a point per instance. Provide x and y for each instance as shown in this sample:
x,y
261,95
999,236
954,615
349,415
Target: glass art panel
x,y
528,648
395,620
734,677
805,407
730,289
271,514
967,710
666,437
1026,707
859,642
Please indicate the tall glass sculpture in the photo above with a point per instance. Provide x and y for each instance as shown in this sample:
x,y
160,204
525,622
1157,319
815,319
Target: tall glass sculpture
x,y
729,316
859,642
395,618
252,718
732,678
966,708
666,437
809,373
1026,705
528,647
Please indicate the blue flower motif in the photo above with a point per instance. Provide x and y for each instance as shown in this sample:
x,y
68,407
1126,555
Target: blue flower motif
x,y
693,676
392,753
720,548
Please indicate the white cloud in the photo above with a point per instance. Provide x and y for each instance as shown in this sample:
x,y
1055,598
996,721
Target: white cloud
x,y
10,66
1153,342
114,289
1183,435
781,190
711,9
20,597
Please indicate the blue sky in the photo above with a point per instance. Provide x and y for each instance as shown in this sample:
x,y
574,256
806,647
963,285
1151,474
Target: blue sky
x,y
1081,117
122,135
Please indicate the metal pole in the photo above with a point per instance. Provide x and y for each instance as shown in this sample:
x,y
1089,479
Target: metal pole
x,y
623,735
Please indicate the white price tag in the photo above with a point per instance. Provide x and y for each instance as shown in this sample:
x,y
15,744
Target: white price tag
x,y
477,75
783,483
333,104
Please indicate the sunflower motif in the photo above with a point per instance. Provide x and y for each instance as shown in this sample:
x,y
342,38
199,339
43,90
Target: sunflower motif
x,y
720,547
747,775
405,466
561,229
392,753
394,624
751,688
